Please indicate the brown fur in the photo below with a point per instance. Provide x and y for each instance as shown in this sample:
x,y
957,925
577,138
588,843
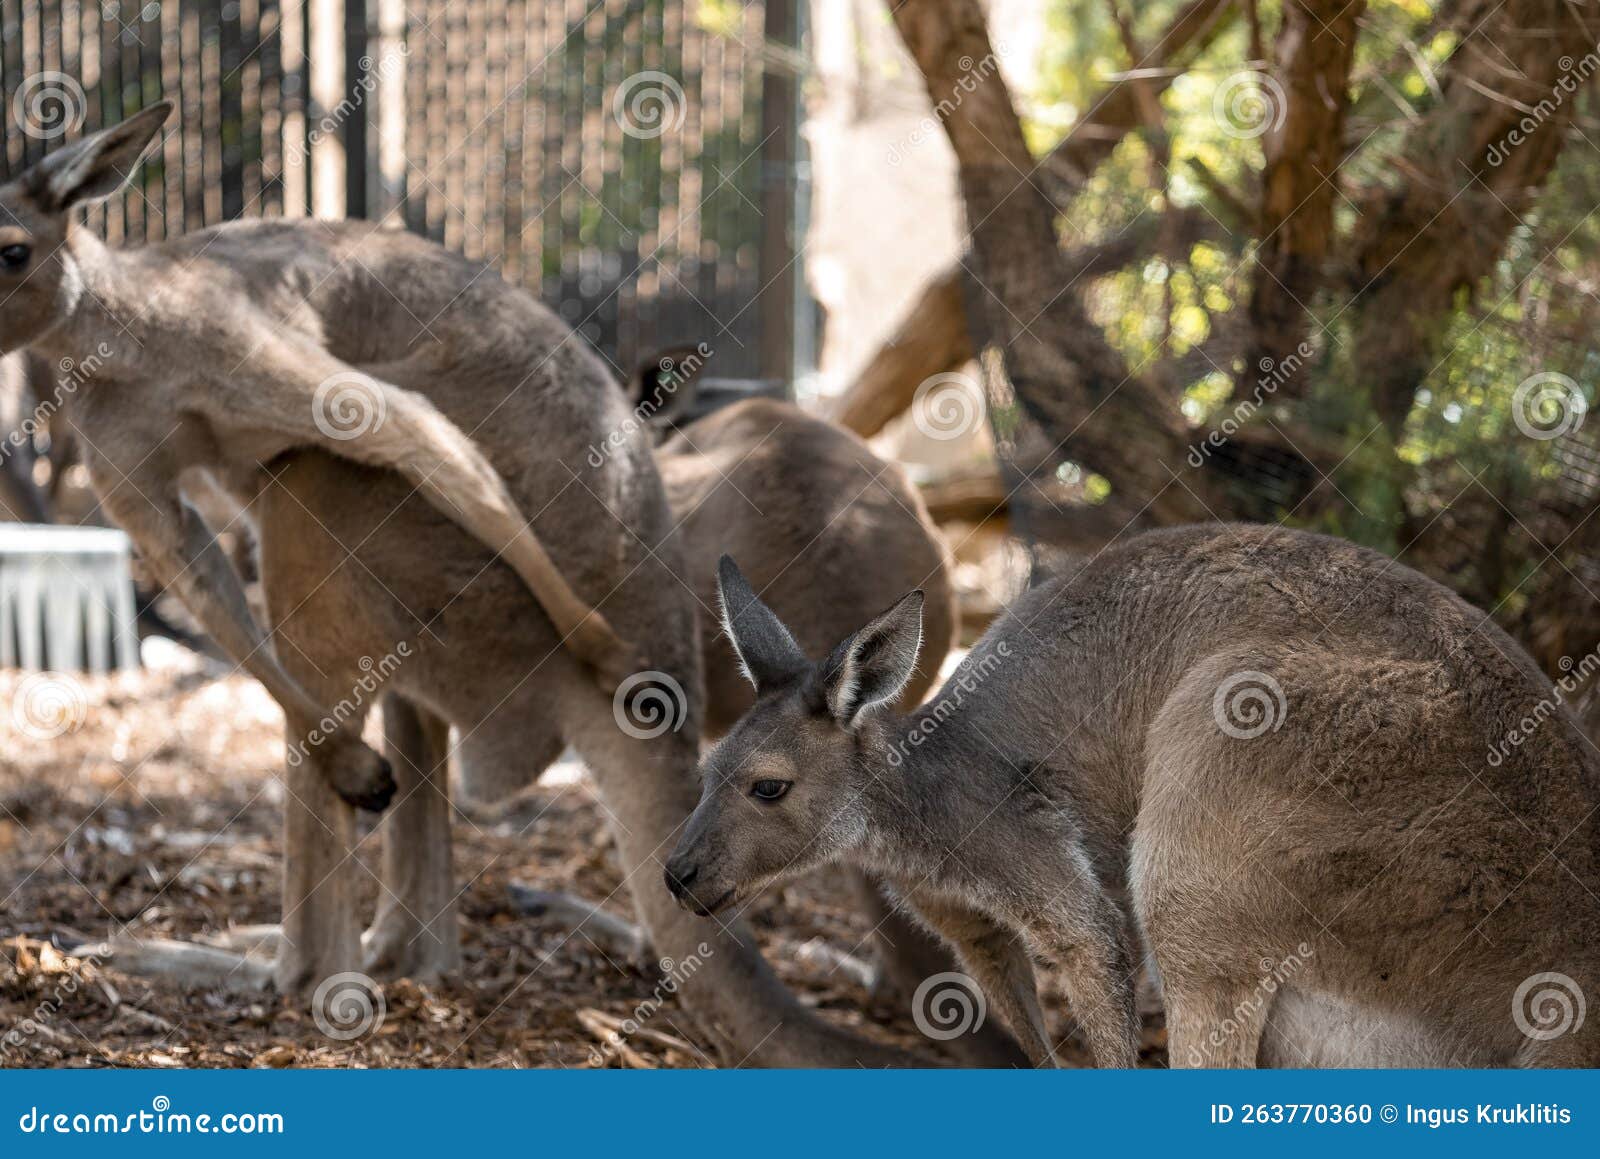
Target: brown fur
x,y
220,340
1354,881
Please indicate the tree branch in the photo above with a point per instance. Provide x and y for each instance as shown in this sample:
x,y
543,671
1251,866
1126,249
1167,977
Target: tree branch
x,y
1065,373
1474,162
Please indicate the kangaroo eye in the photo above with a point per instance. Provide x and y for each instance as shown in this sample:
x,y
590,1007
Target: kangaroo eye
x,y
14,257
769,790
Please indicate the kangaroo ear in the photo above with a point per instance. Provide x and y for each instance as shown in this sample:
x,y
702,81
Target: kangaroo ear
x,y
768,654
664,387
873,666
96,166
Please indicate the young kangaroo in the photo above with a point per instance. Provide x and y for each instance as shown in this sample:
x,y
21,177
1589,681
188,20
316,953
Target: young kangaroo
x,y
1302,772
232,346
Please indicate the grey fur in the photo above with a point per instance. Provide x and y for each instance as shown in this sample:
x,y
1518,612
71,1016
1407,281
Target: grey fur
x,y
1105,771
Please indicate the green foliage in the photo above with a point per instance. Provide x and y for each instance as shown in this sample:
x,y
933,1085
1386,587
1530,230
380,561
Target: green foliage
x,y
1533,316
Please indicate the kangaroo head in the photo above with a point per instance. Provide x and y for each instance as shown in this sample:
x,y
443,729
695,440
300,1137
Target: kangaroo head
x,y
787,788
40,282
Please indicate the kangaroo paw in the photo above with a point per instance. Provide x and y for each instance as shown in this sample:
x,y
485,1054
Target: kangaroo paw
x,y
362,777
399,946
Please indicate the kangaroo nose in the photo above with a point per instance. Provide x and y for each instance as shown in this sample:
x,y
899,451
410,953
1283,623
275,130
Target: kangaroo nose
x,y
679,879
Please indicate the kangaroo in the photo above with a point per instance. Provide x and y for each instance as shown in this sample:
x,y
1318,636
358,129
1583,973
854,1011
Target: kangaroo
x,y
788,491
796,498
1344,812
234,345
394,555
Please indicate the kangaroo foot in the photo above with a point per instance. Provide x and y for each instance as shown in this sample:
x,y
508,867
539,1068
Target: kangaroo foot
x,y
400,946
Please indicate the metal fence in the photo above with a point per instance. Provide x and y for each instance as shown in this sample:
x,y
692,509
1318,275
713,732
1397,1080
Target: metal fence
x,y
630,161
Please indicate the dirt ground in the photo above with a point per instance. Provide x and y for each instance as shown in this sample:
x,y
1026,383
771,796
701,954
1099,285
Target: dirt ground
x,y
155,814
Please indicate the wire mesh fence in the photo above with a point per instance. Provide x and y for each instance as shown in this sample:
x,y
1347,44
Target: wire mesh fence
x,y
622,159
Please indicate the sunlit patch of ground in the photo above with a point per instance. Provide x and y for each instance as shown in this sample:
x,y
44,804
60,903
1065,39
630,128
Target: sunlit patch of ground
x,y
147,804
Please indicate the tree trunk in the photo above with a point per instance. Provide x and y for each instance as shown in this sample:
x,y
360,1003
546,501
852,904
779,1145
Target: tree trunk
x,y
1302,109
935,335
1065,373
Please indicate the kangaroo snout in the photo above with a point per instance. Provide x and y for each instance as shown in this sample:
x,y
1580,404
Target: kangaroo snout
x,y
701,893
679,876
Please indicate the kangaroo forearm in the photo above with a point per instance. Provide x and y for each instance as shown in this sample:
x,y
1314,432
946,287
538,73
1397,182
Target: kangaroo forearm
x,y
210,588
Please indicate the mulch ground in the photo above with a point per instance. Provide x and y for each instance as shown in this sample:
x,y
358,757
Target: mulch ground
x,y
155,813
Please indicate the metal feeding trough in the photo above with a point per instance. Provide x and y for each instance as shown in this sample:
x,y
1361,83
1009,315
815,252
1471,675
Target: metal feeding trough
x,y
66,599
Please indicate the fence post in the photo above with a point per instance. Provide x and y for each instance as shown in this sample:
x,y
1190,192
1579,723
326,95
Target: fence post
x,y
353,126
328,166
778,268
